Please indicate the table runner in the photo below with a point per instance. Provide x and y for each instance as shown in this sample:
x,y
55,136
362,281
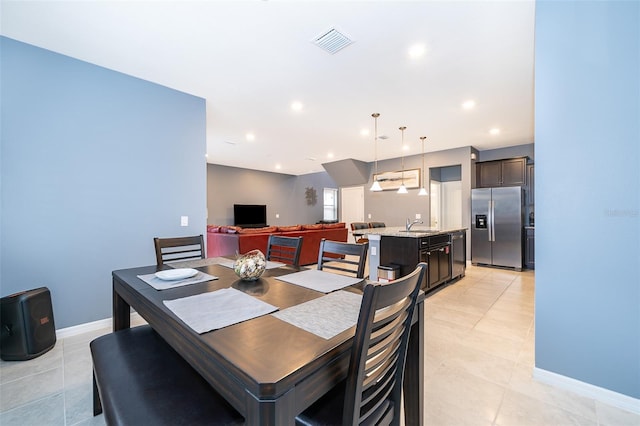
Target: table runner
x,y
317,280
326,316
217,309
229,263
159,284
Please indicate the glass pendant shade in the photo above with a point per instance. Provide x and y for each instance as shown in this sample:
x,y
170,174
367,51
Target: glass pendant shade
x,y
402,189
376,186
423,191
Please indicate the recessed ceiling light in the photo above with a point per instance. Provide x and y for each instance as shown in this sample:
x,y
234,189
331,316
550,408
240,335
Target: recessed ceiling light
x,y
278,166
494,131
296,106
417,50
364,132
405,147
330,155
470,104
250,136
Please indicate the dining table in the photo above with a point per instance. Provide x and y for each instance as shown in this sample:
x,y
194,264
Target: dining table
x,y
268,369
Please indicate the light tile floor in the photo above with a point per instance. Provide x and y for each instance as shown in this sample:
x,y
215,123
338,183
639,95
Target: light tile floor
x,y
479,357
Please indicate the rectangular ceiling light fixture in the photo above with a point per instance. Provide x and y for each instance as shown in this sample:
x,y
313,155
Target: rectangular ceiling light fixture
x,y
332,41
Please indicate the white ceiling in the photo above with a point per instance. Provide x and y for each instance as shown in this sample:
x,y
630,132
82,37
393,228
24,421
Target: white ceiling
x,y
251,59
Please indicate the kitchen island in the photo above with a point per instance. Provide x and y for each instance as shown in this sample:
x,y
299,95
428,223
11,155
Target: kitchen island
x,y
396,249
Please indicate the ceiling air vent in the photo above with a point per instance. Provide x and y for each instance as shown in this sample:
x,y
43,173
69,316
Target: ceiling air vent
x,y
332,41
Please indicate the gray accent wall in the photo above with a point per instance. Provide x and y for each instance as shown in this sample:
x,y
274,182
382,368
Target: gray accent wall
x,y
94,164
393,209
587,134
526,150
283,194
348,172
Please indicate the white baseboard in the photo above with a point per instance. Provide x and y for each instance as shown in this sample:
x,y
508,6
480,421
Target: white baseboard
x,y
90,326
603,395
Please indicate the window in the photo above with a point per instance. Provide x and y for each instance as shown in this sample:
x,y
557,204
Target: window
x,y
330,203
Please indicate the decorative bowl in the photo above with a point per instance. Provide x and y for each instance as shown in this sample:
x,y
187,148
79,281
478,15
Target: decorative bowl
x,y
250,266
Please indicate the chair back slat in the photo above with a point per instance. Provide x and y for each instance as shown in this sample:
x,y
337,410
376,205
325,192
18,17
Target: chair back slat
x,y
178,248
357,231
284,249
332,256
374,384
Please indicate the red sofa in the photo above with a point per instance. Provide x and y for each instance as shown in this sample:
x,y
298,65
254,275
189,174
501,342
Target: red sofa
x,y
229,240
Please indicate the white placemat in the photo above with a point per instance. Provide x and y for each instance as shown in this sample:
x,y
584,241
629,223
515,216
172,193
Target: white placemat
x,y
217,309
229,263
322,281
159,284
326,316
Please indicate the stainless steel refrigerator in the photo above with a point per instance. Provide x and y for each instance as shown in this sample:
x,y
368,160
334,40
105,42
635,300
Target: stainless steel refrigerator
x,y
496,226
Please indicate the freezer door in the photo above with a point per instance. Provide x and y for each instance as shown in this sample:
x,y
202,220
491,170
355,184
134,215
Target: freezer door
x,y
480,226
507,226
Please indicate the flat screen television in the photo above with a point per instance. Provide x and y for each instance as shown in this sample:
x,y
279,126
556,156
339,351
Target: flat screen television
x,y
250,215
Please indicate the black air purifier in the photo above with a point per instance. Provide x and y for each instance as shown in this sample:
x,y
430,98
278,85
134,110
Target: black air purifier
x,y
27,325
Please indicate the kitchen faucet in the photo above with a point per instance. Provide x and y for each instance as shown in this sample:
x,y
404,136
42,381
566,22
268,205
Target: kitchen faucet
x,y
410,224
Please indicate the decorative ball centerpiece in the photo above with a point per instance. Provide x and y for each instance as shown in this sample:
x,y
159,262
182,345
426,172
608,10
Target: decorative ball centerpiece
x,y
250,266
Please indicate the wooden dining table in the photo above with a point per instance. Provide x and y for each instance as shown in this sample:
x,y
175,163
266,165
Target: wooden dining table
x,y
266,368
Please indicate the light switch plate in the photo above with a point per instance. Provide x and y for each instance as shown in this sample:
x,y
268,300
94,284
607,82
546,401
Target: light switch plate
x,y
184,220
369,215
418,216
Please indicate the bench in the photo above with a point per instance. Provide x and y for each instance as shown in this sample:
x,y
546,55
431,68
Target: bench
x,y
138,379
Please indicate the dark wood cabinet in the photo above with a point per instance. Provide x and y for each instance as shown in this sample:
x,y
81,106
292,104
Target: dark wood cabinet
x,y
439,266
489,174
530,185
435,251
509,172
529,248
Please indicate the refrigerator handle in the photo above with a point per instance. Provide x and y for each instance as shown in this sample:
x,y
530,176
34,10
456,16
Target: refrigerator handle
x,y
491,224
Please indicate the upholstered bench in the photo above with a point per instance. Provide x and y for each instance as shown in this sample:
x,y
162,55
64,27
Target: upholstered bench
x,y
140,380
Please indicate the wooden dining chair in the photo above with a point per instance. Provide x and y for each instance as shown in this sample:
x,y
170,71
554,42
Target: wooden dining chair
x,y
179,248
138,379
377,225
359,236
284,249
371,392
338,256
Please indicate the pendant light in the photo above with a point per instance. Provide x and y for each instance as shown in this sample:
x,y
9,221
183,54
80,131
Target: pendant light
x,y
423,190
402,189
376,185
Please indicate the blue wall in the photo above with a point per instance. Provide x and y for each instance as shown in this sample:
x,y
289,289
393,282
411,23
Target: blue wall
x,y
94,164
587,148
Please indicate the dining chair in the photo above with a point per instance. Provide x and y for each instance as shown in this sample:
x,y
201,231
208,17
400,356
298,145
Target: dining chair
x,y
179,248
138,379
338,256
371,392
358,236
377,225
284,249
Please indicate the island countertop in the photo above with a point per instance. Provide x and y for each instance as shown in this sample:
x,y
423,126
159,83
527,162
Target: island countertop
x,y
415,232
